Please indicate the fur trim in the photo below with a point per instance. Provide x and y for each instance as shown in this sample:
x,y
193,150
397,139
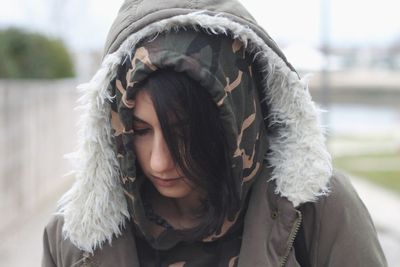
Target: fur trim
x,y
94,208
302,165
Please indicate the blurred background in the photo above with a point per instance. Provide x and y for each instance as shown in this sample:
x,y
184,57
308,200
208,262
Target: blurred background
x,y
351,48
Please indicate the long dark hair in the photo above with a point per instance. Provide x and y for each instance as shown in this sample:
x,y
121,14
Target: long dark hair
x,y
198,144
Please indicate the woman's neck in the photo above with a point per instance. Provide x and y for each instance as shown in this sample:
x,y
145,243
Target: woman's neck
x,y
181,213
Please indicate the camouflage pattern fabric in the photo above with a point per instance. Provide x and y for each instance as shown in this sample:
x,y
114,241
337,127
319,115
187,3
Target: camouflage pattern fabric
x,y
221,65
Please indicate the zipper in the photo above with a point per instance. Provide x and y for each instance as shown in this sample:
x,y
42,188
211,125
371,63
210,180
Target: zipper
x,y
292,237
85,261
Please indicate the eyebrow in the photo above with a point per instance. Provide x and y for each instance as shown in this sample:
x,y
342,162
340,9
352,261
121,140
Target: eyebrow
x,y
137,119
180,123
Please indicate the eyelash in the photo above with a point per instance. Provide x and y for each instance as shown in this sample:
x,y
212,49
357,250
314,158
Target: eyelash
x,y
142,132
179,128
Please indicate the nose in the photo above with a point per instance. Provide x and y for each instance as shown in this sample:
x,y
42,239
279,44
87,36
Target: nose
x,y
160,160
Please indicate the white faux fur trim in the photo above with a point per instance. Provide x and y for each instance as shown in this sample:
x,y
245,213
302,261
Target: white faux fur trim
x,y
95,208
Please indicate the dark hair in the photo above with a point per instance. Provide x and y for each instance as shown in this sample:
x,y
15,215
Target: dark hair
x,y
201,149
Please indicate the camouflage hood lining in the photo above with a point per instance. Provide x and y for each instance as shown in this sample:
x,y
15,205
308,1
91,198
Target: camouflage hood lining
x,y
95,209
223,69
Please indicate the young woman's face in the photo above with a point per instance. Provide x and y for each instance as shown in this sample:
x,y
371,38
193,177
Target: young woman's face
x,y
152,152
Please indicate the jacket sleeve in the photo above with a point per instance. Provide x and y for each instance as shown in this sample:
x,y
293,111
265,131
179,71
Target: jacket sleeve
x,y
341,232
47,258
58,251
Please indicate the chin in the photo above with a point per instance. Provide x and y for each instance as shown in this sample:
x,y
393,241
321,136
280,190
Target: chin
x,y
173,192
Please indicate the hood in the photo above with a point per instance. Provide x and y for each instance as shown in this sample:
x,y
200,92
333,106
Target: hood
x,y
221,66
95,208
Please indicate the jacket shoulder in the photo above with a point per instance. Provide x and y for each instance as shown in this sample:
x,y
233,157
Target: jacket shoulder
x,y
340,230
57,250
342,190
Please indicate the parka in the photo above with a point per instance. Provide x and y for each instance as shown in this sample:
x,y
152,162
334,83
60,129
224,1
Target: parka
x,y
299,211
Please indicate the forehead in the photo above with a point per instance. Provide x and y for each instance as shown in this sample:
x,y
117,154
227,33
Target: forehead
x,y
143,98
144,108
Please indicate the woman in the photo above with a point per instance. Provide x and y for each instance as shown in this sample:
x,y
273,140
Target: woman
x,y
201,146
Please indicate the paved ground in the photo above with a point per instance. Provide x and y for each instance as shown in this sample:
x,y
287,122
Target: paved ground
x,y
23,247
384,207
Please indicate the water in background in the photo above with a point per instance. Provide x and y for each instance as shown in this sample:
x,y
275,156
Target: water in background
x,y
363,119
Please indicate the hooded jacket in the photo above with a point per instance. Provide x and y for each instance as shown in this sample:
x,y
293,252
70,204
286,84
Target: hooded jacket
x,y
279,159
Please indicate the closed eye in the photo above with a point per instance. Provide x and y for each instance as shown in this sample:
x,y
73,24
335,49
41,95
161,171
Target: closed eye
x,y
141,132
140,127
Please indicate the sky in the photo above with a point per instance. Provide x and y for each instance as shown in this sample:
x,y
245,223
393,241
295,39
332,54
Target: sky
x,y
84,24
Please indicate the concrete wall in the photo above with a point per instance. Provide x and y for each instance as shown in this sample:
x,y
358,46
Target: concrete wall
x,y
37,127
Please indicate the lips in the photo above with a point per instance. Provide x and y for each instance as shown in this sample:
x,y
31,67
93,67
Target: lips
x,y
165,182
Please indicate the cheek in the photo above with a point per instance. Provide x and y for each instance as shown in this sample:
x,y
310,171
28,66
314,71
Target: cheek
x,y
142,148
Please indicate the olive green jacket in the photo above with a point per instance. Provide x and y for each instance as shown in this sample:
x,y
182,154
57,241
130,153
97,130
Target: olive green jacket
x,y
92,225
338,231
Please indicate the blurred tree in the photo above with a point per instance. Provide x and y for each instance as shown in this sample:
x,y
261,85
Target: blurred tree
x,y
26,55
